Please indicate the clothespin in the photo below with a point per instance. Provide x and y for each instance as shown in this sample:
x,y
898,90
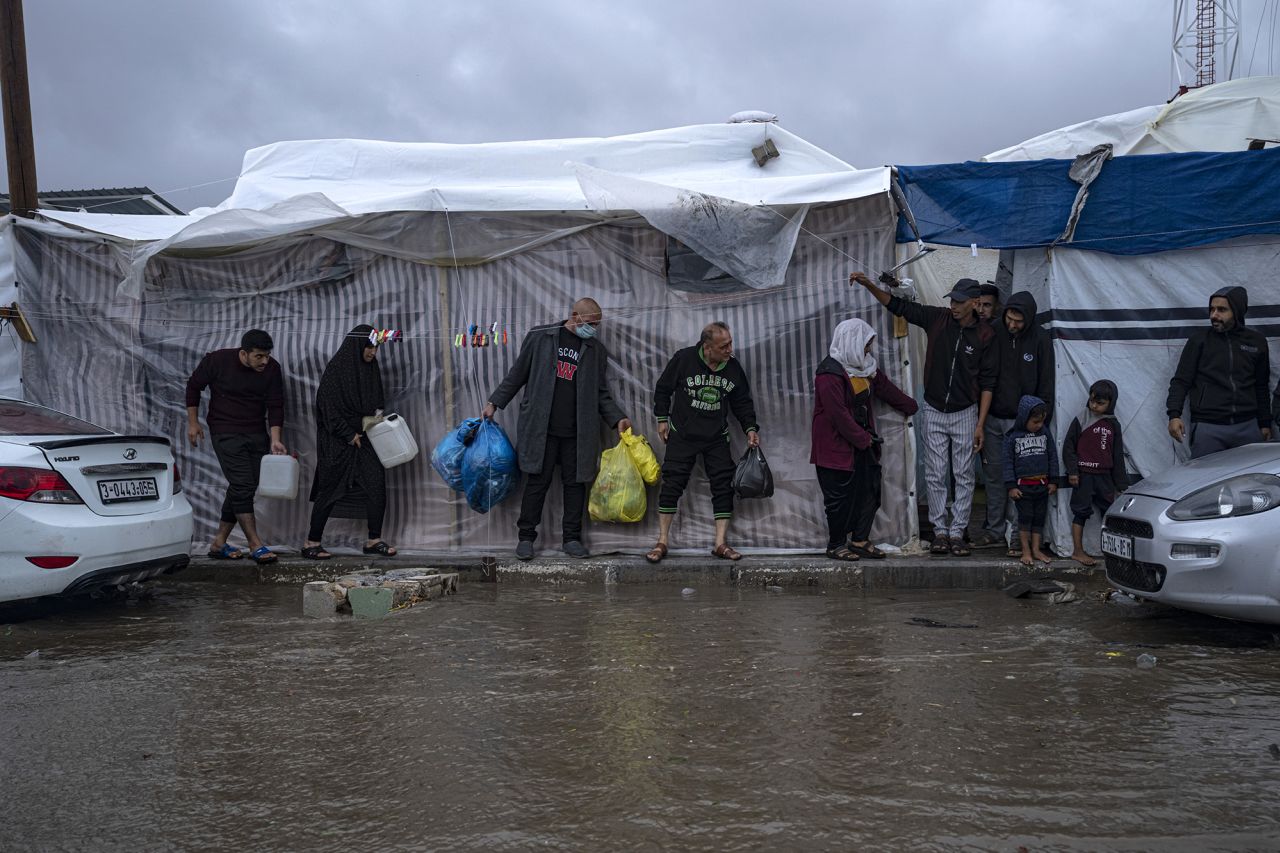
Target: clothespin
x,y
504,336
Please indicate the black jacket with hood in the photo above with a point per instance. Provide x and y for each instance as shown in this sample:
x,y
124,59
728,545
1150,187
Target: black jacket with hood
x,y
1026,361
1226,375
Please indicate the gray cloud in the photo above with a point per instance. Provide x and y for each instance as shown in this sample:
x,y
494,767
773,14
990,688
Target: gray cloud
x,y
171,94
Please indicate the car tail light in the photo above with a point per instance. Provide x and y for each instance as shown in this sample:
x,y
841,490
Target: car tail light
x,y
38,485
51,562
177,478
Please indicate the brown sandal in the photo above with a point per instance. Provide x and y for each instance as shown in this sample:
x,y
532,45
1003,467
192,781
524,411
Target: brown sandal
x,y
725,552
656,553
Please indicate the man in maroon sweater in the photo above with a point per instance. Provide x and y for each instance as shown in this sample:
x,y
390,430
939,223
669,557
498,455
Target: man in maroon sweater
x,y
244,385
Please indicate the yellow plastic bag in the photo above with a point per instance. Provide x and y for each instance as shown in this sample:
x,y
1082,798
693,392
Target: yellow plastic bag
x,y
642,455
618,492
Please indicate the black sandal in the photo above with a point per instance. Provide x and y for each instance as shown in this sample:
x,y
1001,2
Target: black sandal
x,y
381,549
959,549
867,550
941,545
315,552
842,553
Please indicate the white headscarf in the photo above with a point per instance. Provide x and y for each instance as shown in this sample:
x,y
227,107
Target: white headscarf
x,y
849,347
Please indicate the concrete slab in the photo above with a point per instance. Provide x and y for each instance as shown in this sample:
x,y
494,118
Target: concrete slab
x,y
322,599
370,602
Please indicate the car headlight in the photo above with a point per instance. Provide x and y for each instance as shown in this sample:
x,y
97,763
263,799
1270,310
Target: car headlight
x,y
1243,495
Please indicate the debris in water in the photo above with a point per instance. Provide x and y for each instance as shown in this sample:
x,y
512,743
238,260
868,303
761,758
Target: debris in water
x,y
688,590
33,655
773,589
932,623
1274,750
1146,661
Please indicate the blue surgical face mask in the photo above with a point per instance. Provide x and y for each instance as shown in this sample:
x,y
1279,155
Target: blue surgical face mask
x,y
586,331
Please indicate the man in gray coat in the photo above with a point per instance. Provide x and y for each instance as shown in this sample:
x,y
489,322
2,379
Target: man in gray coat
x,y
561,367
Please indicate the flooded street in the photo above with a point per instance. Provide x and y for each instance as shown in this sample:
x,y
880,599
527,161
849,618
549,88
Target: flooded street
x,y
217,718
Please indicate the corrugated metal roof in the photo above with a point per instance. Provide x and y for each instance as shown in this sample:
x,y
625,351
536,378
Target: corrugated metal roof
x,y
135,200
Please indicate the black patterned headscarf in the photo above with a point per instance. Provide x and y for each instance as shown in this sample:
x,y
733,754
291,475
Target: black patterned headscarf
x,y
349,381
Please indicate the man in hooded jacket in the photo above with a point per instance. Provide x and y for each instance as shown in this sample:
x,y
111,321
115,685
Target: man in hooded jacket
x,y
1025,355
1225,373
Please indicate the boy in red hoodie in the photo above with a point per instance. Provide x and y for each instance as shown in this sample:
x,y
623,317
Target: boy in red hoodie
x,y
1093,454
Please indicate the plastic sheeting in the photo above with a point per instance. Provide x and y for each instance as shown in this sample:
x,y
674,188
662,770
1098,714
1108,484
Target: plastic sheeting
x,y
10,346
363,176
1136,205
124,362
752,243
1127,319
1223,117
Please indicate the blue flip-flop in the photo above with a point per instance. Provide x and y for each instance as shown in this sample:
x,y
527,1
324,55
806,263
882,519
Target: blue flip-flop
x,y
227,552
263,555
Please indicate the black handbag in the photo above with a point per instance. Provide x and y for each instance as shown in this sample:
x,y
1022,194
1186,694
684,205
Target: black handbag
x,y
752,478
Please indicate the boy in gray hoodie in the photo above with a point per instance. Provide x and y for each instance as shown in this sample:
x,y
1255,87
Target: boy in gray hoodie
x,y
1030,472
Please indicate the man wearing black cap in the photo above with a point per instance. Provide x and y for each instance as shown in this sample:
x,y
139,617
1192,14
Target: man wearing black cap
x,y
1226,371
959,375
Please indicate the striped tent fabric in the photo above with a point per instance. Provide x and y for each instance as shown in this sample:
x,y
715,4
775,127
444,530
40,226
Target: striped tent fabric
x,y
123,363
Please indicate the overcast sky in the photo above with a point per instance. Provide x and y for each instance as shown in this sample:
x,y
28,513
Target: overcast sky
x,y
171,93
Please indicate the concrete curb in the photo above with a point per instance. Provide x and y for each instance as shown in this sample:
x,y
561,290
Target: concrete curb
x,y
984,570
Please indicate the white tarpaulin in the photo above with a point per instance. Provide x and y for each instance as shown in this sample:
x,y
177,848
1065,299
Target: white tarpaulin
x,y
364,176
10,347
752,243
433,239
1222,117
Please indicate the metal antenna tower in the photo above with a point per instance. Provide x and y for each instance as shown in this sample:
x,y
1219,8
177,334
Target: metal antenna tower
x,y
1206,37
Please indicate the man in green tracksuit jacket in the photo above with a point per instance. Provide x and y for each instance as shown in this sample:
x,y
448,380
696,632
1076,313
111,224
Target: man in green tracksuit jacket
x,y
692,400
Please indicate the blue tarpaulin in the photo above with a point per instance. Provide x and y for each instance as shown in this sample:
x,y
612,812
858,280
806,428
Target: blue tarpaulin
x,y
1138,204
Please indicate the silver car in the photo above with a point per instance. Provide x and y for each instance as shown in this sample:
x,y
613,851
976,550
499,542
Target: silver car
x,y
1202,536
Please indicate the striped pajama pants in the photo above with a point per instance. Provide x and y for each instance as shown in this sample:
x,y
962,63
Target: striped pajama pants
x,y
948,446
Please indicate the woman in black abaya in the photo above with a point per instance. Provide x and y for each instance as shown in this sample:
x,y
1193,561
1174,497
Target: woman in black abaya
x,y
348,475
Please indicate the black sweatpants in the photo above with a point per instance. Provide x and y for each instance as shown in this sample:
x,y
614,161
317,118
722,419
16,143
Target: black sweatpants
x,y
240,455
562,451
851,499
1094,490
1033,508
677,464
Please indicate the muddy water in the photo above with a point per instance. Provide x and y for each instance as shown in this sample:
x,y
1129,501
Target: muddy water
x,y
217,718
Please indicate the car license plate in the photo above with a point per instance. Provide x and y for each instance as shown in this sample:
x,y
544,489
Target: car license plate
x,y
119,491
1117,545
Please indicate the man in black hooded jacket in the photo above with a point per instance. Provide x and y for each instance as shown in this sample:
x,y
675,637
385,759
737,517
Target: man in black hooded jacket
x,y
1225,371
1026,369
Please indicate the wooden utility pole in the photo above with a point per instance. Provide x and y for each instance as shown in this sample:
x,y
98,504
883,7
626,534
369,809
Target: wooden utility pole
x,y
19,144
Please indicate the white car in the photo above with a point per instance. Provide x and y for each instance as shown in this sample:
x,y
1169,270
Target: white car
x,y
1202,536
82,507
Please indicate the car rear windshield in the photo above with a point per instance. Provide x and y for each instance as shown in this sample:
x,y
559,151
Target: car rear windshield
x,y
19,418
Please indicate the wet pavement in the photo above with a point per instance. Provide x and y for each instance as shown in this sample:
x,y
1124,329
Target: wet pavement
x,y
635,717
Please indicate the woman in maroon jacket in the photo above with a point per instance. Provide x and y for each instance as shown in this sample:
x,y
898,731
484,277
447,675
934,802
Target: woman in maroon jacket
x,y
846,448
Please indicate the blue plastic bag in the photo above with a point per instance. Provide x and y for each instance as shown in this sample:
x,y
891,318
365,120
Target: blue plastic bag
x,y
447,457
489,471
